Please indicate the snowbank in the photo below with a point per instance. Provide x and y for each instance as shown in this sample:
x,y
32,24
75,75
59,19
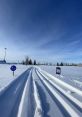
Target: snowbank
x,y
6,76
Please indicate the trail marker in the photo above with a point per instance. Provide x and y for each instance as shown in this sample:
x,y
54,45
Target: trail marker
x,y
58,70
13,68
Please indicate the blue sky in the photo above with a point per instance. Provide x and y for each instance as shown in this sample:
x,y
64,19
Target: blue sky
x,y
46,30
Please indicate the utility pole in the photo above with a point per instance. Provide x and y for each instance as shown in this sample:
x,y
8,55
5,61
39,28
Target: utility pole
x,y
5,54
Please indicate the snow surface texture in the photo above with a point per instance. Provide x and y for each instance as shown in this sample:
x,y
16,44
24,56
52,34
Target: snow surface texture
x,y
69,74
22,112
41,94
38,110
49,77
6,76
66,106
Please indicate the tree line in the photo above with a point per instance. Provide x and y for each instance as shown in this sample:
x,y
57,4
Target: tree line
x,y
28,61
66,64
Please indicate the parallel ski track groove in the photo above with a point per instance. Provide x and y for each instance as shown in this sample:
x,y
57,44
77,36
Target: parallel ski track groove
x,y
75,105
61,108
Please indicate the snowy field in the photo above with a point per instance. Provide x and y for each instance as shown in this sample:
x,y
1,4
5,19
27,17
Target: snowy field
x,y
36,91
6,76
69,74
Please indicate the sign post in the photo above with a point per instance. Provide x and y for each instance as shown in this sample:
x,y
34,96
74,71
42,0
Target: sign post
x,y
13,68
58,70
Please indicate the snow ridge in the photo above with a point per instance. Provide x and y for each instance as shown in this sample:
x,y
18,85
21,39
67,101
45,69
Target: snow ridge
x,y
61,100
38,110
63,83
22,111
77,102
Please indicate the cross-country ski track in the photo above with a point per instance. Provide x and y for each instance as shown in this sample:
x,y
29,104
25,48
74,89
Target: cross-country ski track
x,y
36,93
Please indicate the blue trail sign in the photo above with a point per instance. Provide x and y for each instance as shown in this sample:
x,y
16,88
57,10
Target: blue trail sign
x,y
13,68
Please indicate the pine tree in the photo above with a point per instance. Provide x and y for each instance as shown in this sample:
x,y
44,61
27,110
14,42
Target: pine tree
x,y
57,64
61,64
34,62
23,62
30,62
27,60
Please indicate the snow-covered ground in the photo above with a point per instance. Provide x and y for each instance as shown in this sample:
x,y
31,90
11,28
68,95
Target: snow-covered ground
x,y
69,74
37,93
6,76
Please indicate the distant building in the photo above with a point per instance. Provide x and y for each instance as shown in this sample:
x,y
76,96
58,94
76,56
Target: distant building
x,y
2,61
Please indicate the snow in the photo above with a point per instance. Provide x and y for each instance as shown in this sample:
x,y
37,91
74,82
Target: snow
x,y
68,74
6,76
38,110
63,83
61,100
38,107
78,82
66,93
22,112
31,99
